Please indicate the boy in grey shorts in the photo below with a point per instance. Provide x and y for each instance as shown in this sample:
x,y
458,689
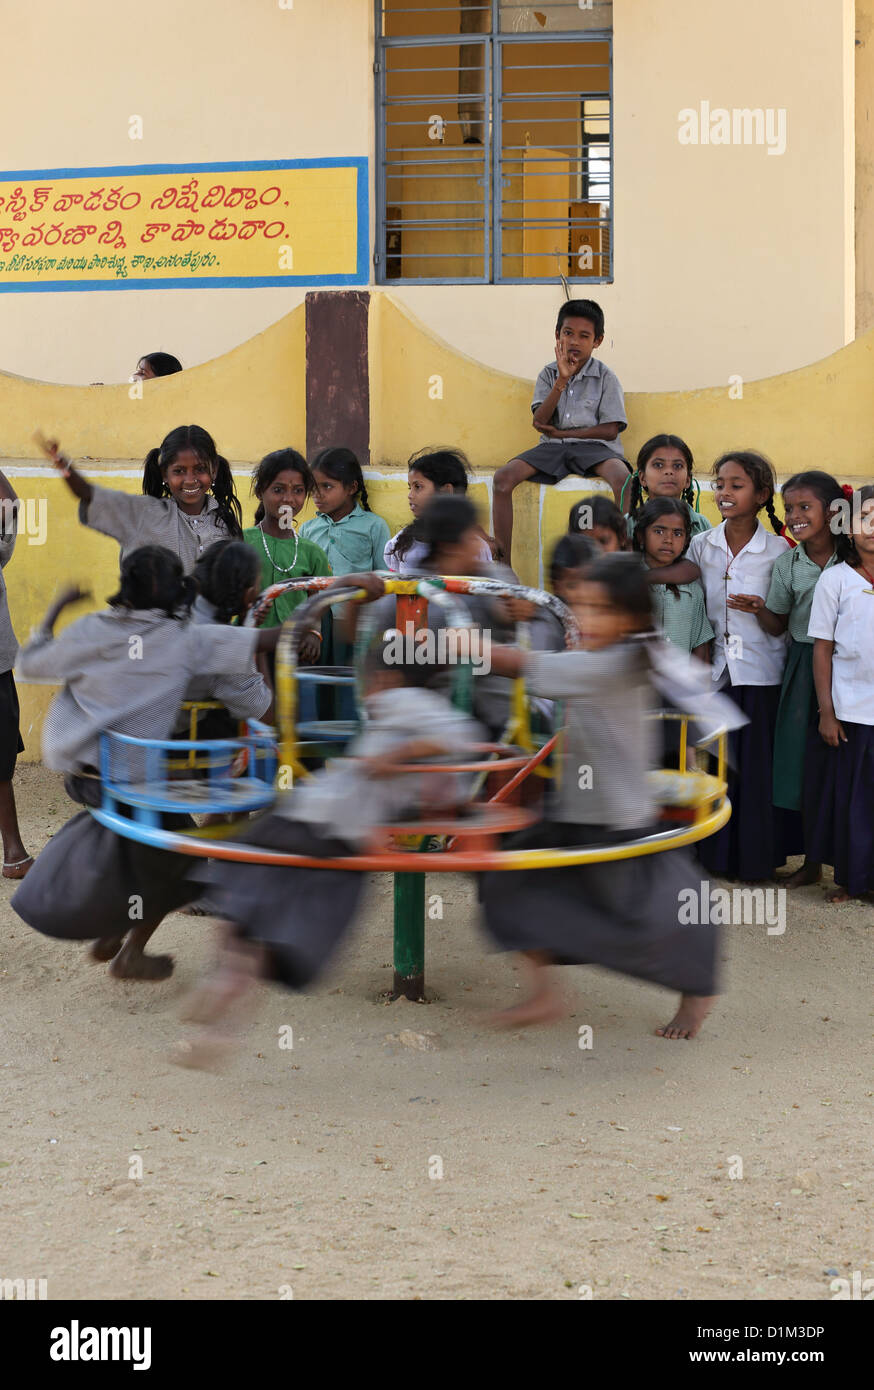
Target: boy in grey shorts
x,y
579,409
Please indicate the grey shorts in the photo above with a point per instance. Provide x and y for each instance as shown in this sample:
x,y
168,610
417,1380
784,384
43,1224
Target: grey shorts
x,y
553,461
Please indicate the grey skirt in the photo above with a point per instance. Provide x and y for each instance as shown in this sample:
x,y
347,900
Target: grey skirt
x,y
89,882
624,916
300,915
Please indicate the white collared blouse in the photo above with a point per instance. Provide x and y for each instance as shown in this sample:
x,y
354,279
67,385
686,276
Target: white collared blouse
x,y
742,649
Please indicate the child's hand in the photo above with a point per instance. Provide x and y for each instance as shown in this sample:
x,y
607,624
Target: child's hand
x,y
310,648
517,610
746,603
373,586
831,730
551,431
566,367
52,451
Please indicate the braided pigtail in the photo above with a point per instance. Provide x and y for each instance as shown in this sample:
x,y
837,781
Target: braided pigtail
x,y
225,494
636,494
776,523
153,478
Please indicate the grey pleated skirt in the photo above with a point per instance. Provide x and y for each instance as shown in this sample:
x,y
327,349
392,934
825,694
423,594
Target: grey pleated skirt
x,y
624,916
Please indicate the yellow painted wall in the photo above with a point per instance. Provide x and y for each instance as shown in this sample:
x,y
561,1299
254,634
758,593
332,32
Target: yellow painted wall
x,y
864,160
727,260
819,416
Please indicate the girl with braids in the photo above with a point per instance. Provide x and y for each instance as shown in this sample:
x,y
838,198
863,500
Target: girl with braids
x,y
842,628
799,752
664,469
352,537
350,534
430,471
736,560
126,670
188,501
662,536
282,482
624,915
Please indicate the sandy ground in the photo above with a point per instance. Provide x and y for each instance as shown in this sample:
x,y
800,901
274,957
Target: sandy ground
x,y
305,1171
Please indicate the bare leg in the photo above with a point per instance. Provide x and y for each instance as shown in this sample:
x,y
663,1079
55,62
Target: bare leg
x,y
543,1005
132,963
14,853
238,968
687,1021
505,480
808,873
616,473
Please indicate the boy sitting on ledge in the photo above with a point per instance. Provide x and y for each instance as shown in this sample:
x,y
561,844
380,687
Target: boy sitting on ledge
x,y
580,411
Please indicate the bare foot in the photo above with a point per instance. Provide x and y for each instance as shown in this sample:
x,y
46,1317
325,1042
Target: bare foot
x,y
18,868
204,1053
131,964
808,873
106,948
546,1006
837,895
687,1021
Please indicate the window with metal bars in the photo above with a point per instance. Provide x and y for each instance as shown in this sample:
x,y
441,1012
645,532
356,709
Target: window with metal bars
x,y
494,141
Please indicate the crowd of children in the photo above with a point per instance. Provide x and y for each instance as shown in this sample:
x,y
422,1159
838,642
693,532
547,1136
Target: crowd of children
x,y
770,623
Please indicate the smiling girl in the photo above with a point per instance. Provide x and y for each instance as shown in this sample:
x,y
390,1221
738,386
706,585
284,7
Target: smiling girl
x,y
736,560
799,752
189,501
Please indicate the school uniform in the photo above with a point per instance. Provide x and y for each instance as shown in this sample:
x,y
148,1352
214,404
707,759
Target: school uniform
x,y
10,733
134,521
301,914
748,665
355,542
681,616
593,396
842,826
127,671
796,736
622,916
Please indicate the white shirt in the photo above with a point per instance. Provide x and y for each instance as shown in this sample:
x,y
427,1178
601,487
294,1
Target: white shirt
x,y
750,655
411,564
843,613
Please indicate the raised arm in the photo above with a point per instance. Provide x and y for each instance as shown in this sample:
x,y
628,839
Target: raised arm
x,y
78,485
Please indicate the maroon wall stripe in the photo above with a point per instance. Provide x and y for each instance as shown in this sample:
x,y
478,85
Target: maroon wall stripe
x,y
337,382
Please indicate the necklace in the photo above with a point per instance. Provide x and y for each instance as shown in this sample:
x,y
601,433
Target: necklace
x,y
280,569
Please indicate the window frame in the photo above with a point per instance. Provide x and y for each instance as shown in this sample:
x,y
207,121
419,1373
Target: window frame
x,y
493,178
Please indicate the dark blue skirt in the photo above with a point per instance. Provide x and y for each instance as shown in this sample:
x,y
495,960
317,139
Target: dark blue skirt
x,y
841,809
759,835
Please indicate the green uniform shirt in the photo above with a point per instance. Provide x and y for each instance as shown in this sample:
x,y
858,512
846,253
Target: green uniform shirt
x,y
683,620
793,580
357,542
311,559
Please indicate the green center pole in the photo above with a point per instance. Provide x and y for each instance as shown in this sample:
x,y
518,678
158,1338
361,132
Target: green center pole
x,y
409,945
409,888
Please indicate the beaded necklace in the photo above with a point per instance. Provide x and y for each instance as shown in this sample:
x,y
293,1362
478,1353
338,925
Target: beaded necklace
x,y
280,569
